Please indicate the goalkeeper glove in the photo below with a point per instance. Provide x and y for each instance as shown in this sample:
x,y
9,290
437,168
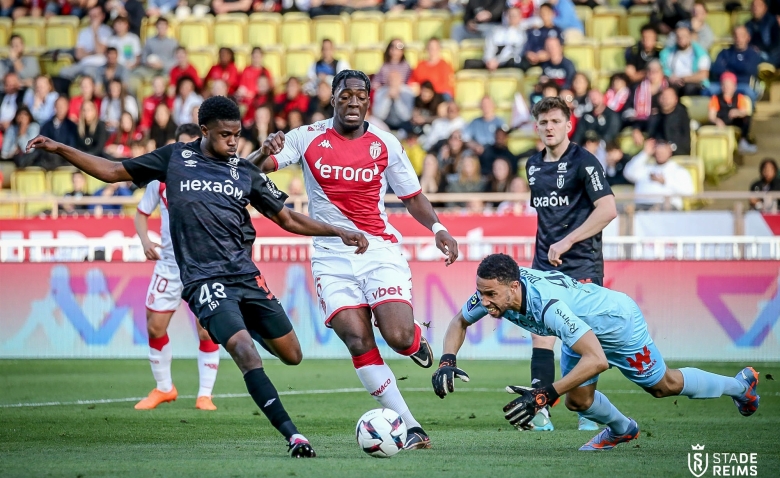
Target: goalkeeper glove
x,y
524,408
444,377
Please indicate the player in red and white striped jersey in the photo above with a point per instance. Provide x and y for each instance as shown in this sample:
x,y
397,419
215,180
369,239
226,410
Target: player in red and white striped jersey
x,y
348,165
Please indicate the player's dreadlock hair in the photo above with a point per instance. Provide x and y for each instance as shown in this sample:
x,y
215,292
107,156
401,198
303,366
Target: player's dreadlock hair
x,y
190,129
500,267
344,75
218,108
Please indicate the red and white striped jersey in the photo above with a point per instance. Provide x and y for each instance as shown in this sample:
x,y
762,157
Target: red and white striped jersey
x,y
346,180
155,194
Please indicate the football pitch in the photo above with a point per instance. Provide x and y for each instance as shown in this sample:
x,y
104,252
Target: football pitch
x,y
76,419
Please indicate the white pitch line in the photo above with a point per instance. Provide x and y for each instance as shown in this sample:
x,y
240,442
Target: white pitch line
x,y
284,392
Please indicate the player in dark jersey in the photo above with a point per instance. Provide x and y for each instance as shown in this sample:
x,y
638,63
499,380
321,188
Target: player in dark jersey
x,y
574,203
208,189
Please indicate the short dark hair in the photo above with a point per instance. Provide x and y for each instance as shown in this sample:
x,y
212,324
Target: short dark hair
x,y
110,49
190,129
613,146
648,27
500,267
766,161
218,108
15,35
546,5
551,103
161,19
344,75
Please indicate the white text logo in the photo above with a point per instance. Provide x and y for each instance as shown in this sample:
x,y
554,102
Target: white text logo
x,y
346,173
723,464
190,163
551,201
562,167
212,186
532,170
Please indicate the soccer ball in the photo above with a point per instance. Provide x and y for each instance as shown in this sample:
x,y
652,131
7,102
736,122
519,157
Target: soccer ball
x,y
381,433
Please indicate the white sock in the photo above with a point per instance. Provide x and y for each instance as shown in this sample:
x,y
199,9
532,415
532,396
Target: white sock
x,y
208,363
380,382
160,358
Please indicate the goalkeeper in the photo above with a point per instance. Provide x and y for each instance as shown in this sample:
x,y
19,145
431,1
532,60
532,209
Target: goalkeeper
x,y
600,328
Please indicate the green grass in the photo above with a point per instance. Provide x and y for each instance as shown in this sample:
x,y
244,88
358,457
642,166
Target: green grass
x,y
469,433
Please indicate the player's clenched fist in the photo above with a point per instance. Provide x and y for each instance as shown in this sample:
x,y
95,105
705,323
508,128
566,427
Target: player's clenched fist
x,y
524,408
444,377
273,144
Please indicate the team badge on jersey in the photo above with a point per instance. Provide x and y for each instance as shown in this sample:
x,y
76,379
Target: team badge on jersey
x,y
473,301
375,150
560,181
234,161
234,173
532,170
186,154
562,167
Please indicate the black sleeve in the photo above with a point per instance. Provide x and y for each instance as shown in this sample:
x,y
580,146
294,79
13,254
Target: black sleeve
x,y
614,124
593,177
653,122
265,196
145,169
579,131
496,9
570,72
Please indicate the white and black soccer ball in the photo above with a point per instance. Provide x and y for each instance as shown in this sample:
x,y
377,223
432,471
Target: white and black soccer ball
x,y
381,433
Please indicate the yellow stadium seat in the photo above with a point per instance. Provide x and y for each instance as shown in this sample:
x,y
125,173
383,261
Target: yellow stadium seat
x,y
432,23
612,53
60,180
740,17
503,85
365,29
61,32
230,30
32,30
450,52
585,14
7,169
719,21
345,51
196,32
414,53
627,144
243,54
296,32
298,60
94,185
6,25
607,22
505,114
582,54
471,49
272,59
399,25
263,29
31,182
638,16
713,148
470,113
51,67
521,141
369,59
203,59
149,28
8,210
719,45
283,177
698,107
332,27
470,87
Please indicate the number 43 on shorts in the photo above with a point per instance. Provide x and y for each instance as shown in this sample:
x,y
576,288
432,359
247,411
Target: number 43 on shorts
x,y
205,294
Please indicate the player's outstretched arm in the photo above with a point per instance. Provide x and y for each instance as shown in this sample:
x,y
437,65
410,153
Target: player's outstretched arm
x,y
142,228
299,224
443,378
599,218
422,210
103,169
273,144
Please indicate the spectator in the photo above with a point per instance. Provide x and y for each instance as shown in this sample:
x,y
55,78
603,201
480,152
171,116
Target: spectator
x,y
262,126
701,33
527,10
616,161
436,71
394,103
768,182
64,7
443,126
426,105
645,101
247,85
580,86
740,59
91,45
566,19
451,153
337,7
118,144
112,70
218,88
150,103
224,70
115,103
730,108
265,97
26,67
160,8
120,189
79,182
292,99
672,123
498,150
504,46
594,145
159,53
568,97
133,10
764,32
431,179
11,100
92,132
481,132
601,120
641,54
557,68
545,88
87,87
163,129
19,133
127,44
534,51
468,179
519,207
479,18
394,60
653,174
186,99
40,100
184,68
272,6
668,13
325,68
618,92
60,128
294,120
231,6
500,178
686,64
414,150
321,104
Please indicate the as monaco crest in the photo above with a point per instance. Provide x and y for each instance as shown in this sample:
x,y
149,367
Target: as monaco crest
x,y
375,150
698,462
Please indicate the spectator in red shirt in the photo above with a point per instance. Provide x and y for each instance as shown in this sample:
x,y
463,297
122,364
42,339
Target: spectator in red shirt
x,y
225,70
118,144
292,99
149,104
247,85
263,97
435,70
184,68
87,86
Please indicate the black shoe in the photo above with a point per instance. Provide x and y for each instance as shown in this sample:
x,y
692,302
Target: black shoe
x,y
424,356
299,447
416,439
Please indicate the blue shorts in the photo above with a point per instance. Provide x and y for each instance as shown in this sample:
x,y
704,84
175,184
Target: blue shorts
x,y
639,360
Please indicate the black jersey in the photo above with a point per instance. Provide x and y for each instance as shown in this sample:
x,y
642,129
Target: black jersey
x,y
563,193
211,229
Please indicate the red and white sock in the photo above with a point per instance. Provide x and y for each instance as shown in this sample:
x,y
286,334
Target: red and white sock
x,y
160,360
380,382
415,345
208,363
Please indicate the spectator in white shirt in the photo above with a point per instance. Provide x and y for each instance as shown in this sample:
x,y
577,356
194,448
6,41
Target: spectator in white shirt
x,y
126,43
394,103
504,46
91,45
443,126
653,173
186,100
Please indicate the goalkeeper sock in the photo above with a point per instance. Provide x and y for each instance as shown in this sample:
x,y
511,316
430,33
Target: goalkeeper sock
x,y
380,382
542,367
160,358
208,363
700,384
602,411
265,396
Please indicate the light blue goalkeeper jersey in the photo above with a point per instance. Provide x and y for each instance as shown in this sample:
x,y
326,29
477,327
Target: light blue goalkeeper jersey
x,y
558,305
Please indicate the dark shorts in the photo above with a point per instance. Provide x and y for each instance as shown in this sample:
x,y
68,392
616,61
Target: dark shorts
x,y
599,281
227,305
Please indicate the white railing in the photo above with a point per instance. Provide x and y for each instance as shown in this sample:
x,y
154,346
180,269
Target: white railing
x,y
128,249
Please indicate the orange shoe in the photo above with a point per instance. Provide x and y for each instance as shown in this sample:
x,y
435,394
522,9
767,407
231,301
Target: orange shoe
x,y
204,403
155,398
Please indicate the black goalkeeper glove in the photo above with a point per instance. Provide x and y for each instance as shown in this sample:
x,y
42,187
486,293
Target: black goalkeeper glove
x,y
524,408
444,377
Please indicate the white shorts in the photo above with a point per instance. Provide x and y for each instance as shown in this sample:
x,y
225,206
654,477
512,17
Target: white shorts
x,y
352,281
164,293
